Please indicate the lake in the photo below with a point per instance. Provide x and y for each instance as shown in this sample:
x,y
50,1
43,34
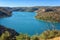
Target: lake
x,y
25,22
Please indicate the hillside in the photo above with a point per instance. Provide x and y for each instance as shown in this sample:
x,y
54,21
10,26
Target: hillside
x,y
4,12
49,14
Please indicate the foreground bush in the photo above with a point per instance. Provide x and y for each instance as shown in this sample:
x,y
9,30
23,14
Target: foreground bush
x,y
49,34
4,36
23,37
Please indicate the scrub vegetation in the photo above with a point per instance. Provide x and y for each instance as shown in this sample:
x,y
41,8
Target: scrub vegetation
x,y
46,35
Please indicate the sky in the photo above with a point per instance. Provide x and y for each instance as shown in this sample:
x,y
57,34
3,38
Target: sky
x,y
28,3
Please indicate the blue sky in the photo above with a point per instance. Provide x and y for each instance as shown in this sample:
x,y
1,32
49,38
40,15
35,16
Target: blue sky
x,y
28,3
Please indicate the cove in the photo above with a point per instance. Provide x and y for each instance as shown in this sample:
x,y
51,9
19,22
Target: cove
x,y
25,22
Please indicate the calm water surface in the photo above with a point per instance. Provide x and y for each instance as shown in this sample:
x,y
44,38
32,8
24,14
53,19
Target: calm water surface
x,y
25,22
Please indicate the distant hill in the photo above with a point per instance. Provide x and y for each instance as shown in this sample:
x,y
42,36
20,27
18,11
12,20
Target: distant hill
x,y
6,11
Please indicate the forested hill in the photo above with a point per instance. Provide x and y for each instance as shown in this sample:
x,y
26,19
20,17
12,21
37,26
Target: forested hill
x,y
49,14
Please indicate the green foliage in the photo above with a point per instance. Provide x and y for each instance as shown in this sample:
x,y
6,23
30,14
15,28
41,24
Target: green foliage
x,y
26,37
5,35
50,34
35,37
23,37
45,35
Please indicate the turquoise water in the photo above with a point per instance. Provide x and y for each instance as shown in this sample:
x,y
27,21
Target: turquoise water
x,y
25,22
